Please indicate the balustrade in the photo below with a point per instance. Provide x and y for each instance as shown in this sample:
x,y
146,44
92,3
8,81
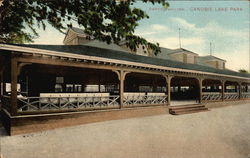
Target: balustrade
x,y
135,99
211,96
245,95
6,102
62,103
231,96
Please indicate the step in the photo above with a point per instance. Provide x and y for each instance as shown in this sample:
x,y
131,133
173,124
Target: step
x,y
189,112
187,105
188,109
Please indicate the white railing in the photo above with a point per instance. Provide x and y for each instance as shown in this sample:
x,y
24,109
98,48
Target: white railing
x,y
131,99
245,95
211,96
231,96
62,103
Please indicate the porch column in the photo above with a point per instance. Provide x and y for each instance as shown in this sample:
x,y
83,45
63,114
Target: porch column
x,y
240,90
200,89
1,76
168,86
222,89
121,76
14,74
1,81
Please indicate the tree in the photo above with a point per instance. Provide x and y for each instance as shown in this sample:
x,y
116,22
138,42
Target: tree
x,y
105,20
243,71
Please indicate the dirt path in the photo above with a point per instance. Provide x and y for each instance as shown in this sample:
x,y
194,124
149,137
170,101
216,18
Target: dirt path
x,y
219,133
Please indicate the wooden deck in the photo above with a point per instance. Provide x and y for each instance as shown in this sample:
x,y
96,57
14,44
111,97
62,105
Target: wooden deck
x,y
34,123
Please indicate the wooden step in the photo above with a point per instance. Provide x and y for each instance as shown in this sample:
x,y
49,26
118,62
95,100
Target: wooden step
x,y
189,109
186,109
186,106
189,112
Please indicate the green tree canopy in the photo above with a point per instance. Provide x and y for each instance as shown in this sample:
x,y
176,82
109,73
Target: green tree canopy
x,y
243,71
105,20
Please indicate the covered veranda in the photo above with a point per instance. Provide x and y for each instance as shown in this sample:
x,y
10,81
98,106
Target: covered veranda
x,y
40,82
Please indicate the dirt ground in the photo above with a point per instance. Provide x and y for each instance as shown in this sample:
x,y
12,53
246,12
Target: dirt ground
x,y
220,133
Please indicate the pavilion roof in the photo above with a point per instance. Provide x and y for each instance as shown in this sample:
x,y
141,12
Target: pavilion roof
x,y
121,55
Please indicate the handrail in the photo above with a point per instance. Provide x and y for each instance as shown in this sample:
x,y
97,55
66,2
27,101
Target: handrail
x,y
55,103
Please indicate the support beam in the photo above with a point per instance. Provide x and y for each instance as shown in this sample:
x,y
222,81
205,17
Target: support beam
x,y
1,80
168,86
200,80
2,67
14,71
222,90
240,90
121,76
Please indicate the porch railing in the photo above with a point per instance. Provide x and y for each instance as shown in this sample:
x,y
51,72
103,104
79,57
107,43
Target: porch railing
x,y
211,96
245,95
135,99
6,102
64,103
231,96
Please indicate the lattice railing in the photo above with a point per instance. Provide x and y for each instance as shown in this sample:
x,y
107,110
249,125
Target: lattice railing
x,y
231,96
131,99
60,103
211,96
6,102
245,95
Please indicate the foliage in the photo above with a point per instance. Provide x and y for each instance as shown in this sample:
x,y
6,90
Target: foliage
x,y
105,20
243,71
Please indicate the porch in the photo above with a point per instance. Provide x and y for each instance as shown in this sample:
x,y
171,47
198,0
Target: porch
x,y
39,85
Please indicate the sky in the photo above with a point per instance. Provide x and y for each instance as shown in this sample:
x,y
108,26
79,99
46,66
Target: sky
x,y
223,23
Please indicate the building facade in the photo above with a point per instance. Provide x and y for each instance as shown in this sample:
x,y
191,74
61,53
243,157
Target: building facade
x,y
40,83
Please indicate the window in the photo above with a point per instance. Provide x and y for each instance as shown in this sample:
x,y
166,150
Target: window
x,y
58,88
78,88
145,88
69,88
91,88
59,79
8,87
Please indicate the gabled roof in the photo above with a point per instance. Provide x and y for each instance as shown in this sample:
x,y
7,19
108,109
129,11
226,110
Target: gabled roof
x,y
119,55
181,50
164,54
95,43
104,45
77,30
210,57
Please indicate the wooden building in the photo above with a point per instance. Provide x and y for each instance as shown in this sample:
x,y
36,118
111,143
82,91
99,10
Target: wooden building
x,y
50,86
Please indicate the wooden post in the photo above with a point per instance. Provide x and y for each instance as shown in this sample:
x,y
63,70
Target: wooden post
x,y
240,90
121,88
222,90
121,76
2,67
200,89
1,81
14,74
168,86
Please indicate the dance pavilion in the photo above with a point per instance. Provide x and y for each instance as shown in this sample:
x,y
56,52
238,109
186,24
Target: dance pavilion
x,y
49,86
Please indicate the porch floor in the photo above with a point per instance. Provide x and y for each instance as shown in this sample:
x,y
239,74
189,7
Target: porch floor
x,y
182,102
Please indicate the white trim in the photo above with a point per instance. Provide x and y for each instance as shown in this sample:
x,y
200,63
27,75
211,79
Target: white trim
x,y
86,57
